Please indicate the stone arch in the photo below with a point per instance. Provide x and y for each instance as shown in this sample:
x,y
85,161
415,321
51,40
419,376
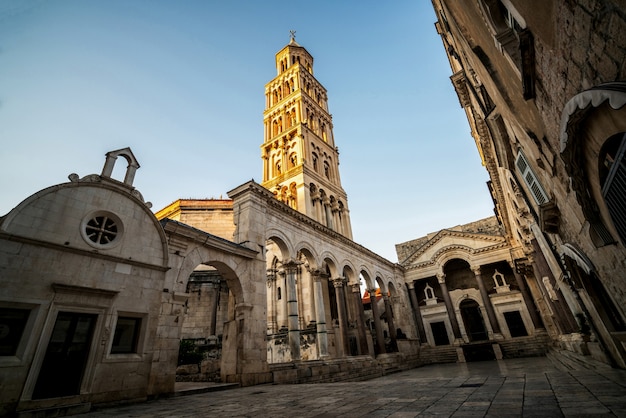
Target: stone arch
x,y
381,282
128,155
280,240
309,252
367,277
242,332
459,275
349,272
474,320
224,264
589,122
331,263
451,252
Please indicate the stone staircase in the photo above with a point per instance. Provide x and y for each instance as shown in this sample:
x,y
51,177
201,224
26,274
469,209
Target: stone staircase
x,y
532,346
441,354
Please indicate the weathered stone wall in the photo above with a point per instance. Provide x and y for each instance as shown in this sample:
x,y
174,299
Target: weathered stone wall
x,y
50,265
214,216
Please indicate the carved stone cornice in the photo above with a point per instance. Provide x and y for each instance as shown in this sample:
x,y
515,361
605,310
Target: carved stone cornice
x,y
459,81
304,221
449,233
471,251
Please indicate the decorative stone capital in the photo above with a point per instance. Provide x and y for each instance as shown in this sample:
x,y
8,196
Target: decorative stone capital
x,y
475,270
271,277
441,278
356,287
411,285
291,265
318,275
339,281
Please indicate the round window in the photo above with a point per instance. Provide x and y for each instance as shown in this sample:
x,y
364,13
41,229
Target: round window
x,y
102,229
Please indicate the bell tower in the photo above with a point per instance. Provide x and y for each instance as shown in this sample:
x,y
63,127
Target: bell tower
x,y
300,159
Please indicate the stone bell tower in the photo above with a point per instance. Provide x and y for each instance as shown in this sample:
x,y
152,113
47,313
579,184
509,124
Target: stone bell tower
x,y
300,159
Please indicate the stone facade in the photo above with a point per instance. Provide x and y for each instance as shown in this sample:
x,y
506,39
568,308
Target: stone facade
x,y
83,266
98,289
466,293
542,85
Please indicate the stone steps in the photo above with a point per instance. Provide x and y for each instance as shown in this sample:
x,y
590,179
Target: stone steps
x,y
436,355
532,346
568,360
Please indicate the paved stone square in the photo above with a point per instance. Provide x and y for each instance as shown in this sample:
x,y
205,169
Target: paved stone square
x,y
531,387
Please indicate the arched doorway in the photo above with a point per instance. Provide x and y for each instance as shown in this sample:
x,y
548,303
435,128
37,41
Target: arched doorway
x,y
202,324
473,320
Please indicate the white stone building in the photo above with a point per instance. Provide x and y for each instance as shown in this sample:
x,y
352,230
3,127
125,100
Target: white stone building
x,y
100,291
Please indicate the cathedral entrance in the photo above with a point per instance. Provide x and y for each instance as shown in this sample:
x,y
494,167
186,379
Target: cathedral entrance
x,y
66,356
473,320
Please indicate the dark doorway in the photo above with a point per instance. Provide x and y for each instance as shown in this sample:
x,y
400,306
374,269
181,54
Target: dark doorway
x,y
66,356
440,334
515,323
473,320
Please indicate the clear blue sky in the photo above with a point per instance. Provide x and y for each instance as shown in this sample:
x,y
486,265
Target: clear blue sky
x,y
182,84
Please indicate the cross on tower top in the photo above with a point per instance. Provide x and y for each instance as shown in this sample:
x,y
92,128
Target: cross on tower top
x,y
292,35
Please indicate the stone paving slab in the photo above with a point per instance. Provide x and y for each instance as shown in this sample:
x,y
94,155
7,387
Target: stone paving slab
x,y
531,387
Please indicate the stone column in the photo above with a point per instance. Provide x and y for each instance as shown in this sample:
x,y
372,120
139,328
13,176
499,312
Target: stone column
x,y
446,298
272,324
491,314
342,346
328,214
390,323
359,317
532,310
291,267
216,302
380,339
283,323
335,213
312,306
320,314
319,205
421,333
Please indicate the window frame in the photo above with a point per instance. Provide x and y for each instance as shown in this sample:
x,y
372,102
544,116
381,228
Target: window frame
x,y
26,340
139,337
530,179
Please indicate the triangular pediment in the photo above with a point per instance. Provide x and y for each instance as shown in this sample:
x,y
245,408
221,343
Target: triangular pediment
x,y
449,239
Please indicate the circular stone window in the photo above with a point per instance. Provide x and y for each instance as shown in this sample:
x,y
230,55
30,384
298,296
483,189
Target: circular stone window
x,y
102,229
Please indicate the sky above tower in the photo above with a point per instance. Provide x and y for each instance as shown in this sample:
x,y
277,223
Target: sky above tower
x,y
182,84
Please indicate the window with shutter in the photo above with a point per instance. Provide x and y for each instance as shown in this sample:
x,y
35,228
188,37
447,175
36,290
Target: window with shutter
x,y
530,179
614,185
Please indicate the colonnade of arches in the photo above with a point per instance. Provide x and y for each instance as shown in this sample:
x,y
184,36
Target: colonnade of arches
x,y
282,119
288,116
281,88
315,307
281,156
317,121
284,63
323,163
482,303
328,210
